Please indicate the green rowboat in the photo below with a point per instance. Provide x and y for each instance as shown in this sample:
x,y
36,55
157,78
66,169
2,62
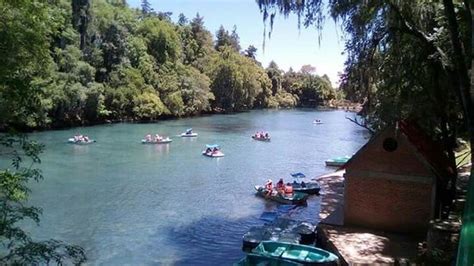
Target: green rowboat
x,y
307,255
254,259
295,198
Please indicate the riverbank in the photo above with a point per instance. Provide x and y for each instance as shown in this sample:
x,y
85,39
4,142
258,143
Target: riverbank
x,y
356,245
85,123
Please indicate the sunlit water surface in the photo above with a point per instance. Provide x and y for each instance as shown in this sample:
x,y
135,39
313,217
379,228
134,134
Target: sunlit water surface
x,y
128,203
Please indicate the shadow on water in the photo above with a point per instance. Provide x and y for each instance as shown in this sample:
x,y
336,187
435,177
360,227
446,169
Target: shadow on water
x,y
210,240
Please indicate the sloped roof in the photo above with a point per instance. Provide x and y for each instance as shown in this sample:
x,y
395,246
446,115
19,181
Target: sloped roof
x,y
430,151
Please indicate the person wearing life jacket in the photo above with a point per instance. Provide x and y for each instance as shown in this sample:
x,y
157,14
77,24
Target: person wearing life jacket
x,y
288,189
269,187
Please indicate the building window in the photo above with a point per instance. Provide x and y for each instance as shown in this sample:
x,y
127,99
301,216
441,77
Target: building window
x,y
390,144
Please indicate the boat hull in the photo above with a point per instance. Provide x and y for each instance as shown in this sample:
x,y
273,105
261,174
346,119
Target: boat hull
x,y
310,188
184,135
165,141
337,162
304,254
334,164
261,139
213,155
72,141
254,259
297,198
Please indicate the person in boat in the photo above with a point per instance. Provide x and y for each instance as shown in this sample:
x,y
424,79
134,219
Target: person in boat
x,y
288,190
148,137
189,131
280,186
269,187
303,184
158,137
86,138
78,138
208,150
266,135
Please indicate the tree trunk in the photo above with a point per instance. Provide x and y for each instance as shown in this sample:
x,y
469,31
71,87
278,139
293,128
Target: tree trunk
x,y
466,244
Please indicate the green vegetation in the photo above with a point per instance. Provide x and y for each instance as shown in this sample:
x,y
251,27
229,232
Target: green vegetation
x,y
25,35
67,63
406,60
106,61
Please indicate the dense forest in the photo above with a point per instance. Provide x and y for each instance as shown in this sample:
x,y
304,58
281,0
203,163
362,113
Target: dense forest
x,y
102,61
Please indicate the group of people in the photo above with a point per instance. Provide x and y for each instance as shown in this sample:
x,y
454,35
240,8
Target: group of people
x,y
212,150
81,138
261,135
150,138
282,188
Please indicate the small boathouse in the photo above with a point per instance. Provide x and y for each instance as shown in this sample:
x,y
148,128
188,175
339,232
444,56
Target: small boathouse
x,y
394,182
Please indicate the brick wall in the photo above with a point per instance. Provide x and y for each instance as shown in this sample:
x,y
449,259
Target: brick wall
x,y
387,204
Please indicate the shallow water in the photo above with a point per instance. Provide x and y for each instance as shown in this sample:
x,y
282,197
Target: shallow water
x,y
128,203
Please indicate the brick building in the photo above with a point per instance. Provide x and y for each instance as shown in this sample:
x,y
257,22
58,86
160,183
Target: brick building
x,y
392,183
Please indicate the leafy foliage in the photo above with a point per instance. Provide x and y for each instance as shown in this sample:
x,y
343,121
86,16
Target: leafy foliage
x,y
102,60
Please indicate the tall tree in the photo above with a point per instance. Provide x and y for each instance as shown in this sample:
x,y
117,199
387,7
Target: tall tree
x,y
182,19
146,7
25,35
81,18
235,39
251,52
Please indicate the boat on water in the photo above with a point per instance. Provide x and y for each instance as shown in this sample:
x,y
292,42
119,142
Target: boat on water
x,y
317,122
307,255
295,198
338,161
189,133
308,187
261,138
80,140
213,151
157,141
255,259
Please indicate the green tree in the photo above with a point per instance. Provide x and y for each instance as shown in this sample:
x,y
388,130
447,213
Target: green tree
x,y
146,7
251,52
81,18
25,35
410,59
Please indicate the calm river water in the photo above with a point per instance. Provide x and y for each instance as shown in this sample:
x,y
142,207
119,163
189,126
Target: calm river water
x,y
128,203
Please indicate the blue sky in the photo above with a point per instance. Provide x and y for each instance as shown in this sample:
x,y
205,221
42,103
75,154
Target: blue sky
x,y
288,46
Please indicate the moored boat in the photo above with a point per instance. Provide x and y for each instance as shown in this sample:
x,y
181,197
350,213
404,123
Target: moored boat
x,y
337,162
255,259
295,198
309,187
213,151
304,254
159,141
189,133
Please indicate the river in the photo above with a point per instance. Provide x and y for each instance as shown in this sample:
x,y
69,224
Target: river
x,y
128,203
